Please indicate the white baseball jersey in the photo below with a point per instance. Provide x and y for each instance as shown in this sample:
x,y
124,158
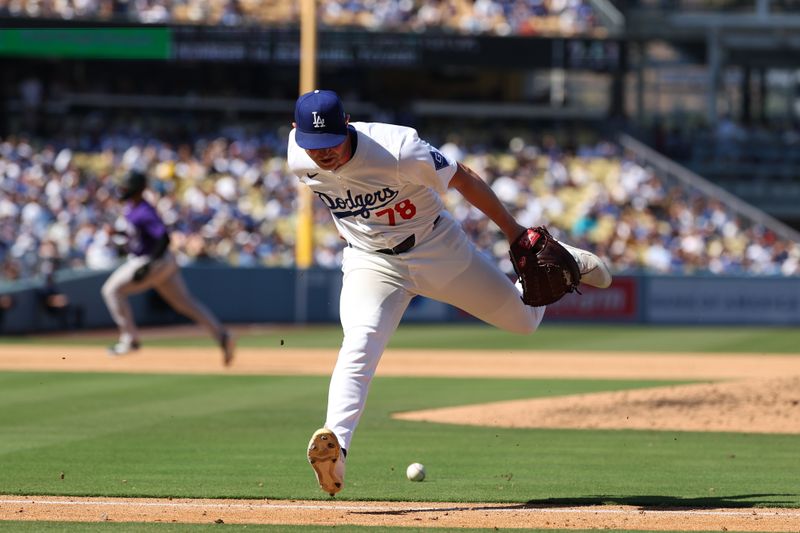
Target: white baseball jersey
x,y
389,190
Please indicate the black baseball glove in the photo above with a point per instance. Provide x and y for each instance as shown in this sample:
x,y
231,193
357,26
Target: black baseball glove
x,y
546,269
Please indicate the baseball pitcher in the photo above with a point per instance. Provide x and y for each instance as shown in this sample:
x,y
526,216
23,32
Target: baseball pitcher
x,y
150,264
382,184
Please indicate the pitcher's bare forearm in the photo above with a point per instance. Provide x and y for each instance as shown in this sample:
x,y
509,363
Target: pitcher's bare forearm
x,y
477,192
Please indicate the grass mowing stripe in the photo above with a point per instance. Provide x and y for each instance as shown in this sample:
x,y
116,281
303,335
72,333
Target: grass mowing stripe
x,y
105,404
253,446
555,336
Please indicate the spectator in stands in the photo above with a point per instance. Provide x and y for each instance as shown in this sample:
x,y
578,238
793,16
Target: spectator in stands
x,y
728,136
30,90
6,304
56,304
231,199
494,17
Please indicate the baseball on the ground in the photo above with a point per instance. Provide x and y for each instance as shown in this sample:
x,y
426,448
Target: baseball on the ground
x,y
415,472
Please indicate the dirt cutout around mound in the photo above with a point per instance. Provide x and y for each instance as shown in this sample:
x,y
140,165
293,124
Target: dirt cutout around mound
x,y
751,406
757,393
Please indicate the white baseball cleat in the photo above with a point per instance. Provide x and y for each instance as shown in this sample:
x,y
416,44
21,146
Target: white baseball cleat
x,y
122,348
326,458
593,271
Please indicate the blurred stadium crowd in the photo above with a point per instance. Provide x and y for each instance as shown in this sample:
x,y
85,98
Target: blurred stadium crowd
x,y
229,197
496,17
759,150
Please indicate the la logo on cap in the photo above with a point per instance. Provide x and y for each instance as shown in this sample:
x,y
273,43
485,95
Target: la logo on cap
x,y
321,120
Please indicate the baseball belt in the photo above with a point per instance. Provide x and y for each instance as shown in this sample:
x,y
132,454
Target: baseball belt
x,y
406,245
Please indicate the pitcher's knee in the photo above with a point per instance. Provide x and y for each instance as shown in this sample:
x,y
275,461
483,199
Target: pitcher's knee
x,y
528,320
527,328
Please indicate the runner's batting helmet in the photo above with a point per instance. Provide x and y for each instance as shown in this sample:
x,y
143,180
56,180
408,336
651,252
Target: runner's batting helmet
x,y
131,184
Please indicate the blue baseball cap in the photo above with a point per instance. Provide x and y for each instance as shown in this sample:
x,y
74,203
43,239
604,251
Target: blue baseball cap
x,y
321,122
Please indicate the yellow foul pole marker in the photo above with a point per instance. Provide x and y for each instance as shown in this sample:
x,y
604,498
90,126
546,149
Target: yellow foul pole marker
x,y
304,247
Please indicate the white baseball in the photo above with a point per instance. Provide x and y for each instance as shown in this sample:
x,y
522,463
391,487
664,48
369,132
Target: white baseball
x,y
415,472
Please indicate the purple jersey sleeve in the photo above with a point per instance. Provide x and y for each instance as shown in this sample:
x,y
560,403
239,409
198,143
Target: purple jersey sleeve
x,y
145,226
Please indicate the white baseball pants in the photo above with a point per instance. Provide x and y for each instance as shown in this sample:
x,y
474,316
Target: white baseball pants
x,y
165,277
376,290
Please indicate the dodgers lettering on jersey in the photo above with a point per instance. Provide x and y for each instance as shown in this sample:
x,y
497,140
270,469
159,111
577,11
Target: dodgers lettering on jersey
x,y
360,205
389,189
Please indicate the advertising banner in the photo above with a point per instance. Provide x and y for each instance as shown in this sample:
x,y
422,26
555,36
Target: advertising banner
x,y
708,300
617,303
352,48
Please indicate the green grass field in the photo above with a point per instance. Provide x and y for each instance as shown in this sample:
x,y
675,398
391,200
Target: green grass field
x,y
229,436
245,437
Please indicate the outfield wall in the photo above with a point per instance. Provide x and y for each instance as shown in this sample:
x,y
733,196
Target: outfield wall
x,y
257,295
